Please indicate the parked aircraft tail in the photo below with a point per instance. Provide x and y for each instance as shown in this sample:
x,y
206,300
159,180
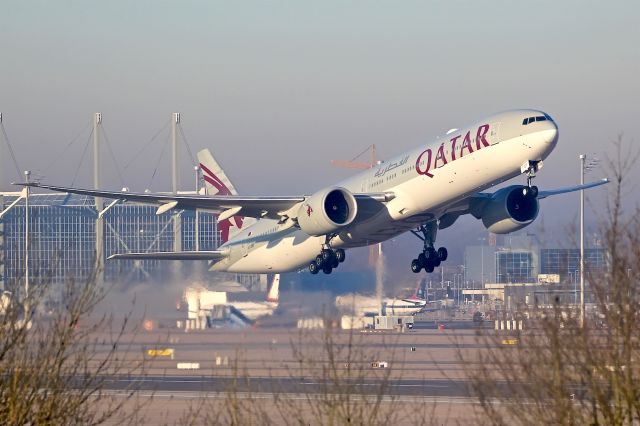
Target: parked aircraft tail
x,y
421,291
274,291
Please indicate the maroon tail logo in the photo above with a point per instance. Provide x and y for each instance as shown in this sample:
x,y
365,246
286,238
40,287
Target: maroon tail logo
x,y
225,225
309,210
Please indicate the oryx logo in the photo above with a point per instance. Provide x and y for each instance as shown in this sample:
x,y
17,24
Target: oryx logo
x,y
309,210
214,180
224,225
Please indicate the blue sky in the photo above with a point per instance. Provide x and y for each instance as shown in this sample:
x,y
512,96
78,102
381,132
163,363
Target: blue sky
x,y
277,89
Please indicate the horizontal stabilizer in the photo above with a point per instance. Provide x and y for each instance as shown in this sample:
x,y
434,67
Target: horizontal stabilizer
x,y
173,255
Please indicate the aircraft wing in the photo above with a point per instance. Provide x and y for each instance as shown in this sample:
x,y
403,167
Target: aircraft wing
x,y
226,205
545,194
475,204
172,255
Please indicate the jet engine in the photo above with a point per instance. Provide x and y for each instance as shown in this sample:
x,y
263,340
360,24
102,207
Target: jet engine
x,y
326,211
510,209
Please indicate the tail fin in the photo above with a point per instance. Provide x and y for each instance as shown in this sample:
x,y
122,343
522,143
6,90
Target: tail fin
x,y
274,292
421,290
217,183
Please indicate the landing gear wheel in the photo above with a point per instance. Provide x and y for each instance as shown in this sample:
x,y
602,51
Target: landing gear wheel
x,y
416,266
313,267
327,256
335,263
319,260
429,258
430,253
341,255
442,254
327,270
534,191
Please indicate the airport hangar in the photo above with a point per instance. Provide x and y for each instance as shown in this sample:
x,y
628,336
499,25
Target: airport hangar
x,y
63,240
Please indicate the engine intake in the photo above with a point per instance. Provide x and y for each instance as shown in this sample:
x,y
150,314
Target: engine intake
x,y
326,211
510,209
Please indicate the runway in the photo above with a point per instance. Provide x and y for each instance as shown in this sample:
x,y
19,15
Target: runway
x,y
271,385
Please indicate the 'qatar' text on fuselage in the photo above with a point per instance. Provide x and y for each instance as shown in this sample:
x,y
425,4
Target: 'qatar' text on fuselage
x,y
440,159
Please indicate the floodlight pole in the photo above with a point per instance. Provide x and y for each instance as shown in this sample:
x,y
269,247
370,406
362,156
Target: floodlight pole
x,y
27,173
197,224
582,307
99,202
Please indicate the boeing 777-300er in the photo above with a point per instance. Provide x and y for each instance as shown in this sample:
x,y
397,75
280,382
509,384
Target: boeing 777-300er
x,y
422,191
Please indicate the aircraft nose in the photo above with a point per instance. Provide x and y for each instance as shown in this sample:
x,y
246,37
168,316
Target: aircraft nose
x,y
552,133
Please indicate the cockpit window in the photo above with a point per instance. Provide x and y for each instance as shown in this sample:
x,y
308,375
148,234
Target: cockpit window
x,y
537,118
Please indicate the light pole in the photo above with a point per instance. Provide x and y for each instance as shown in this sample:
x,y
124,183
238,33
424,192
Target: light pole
x,y
196,169
583,168
583,157
27,173
482,261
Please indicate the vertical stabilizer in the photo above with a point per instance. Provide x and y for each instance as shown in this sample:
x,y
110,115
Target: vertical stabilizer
x,y
274,292
421,291
217,183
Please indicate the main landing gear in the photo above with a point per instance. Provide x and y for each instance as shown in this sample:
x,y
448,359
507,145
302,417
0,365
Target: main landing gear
x,y
430,258
328,259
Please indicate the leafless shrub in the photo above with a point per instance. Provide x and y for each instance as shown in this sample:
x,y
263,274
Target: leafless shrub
x,y
561,372
54,365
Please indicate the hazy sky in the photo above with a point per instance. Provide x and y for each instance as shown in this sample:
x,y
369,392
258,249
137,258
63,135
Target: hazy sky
x,y
277,89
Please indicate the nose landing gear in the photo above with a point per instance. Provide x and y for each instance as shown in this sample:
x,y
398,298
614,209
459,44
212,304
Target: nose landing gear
x,y
430,258
530,168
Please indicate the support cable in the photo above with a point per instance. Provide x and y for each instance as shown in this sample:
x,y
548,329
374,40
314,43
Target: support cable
x,y
135,157
84,152
113,157
155,170
56,158
13,156
184,138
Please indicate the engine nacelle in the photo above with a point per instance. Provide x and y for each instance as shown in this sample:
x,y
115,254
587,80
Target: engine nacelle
x,y
326,211
510,209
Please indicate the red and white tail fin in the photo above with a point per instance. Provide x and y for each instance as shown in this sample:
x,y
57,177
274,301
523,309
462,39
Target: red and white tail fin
x,y
217,183
273,295
421,291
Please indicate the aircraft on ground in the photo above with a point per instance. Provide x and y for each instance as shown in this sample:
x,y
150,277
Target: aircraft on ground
x,y
255,310
421,191
363,305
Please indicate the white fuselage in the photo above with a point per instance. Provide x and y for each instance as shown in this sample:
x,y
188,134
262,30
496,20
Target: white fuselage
x,y
255,310
425,182
360,305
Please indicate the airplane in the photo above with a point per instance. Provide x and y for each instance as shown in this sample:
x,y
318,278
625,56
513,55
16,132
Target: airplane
x,y
201,301
422,191
255,310
362,305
